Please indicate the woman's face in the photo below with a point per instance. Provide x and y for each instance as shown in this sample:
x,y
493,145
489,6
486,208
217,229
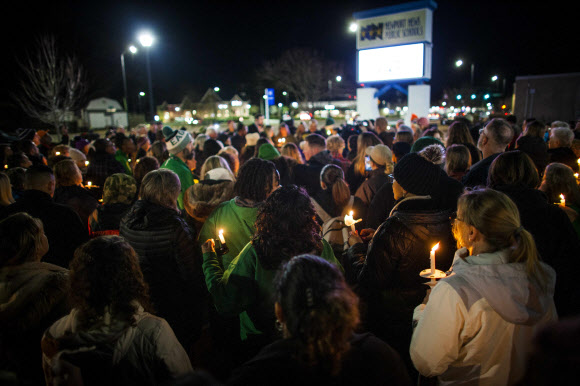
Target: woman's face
x,y
460,231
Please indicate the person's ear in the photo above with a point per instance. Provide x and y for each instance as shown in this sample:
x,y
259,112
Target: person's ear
x,y
473,234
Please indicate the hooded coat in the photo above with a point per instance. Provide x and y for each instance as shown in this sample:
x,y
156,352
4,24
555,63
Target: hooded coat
x,y
201,199
32,297
479,323
113,352
171,266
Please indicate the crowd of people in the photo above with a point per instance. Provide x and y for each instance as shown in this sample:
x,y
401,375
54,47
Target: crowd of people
x,y
291,254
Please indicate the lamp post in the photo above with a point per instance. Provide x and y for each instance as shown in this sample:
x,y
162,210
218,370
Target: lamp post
x,y
146,40
459,63
132,50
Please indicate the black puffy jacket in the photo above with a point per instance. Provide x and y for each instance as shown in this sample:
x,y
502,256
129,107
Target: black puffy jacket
x,y
171,265
389,283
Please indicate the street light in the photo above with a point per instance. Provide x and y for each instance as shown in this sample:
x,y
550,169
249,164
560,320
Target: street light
x,y
353,27
146,39
216,89
338,78
494,78
132,50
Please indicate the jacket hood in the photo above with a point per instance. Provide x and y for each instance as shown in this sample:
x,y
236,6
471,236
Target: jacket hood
x,y
201,199
506,286
144,214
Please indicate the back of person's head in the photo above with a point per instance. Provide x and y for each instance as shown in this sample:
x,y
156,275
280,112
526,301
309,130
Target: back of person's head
x,y
5,190
511,119
335,144
286,226
67,173
145,165
559,124
559,179
497,218
458,133
513,168
105,277
352,143
400,149
101,145
16,176
158,150
216,162
364,141
161,187
500,132
39,177
232,160
60,150
562,135
535,129
317,308
316,141
21,237
332,177
256,180
119,188
291,150
404,136
433,132
457,159
381,124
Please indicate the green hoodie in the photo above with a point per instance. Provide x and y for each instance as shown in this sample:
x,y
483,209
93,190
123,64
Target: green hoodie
x,y
246,288
238,225
176,165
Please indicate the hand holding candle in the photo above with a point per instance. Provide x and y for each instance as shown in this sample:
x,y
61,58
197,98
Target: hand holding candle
x,y
223,248
349,221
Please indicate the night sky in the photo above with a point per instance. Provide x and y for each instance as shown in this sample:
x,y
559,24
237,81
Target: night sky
x,y
202,44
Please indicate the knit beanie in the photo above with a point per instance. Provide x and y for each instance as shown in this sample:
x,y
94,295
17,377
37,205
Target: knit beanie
x,y
423,142
176,140
417,175
329,121
268,152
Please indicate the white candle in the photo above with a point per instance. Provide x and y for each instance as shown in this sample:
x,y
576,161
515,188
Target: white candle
x,y
221,236
562,200
349,221
432,258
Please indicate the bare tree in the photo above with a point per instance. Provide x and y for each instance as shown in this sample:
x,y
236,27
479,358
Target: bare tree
x,y
52,86
302,72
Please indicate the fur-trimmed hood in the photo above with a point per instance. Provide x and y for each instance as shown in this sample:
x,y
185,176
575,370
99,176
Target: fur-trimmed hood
x,y
201,199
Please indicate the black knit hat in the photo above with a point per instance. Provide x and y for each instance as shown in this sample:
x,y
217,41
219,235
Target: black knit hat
x,y
417,175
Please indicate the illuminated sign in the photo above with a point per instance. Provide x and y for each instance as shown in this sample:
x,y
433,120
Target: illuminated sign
x,y
411,61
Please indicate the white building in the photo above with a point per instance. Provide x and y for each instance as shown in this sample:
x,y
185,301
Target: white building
x,y
104,112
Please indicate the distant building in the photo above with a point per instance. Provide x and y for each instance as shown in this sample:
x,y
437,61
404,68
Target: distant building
x,y
211,105
104,112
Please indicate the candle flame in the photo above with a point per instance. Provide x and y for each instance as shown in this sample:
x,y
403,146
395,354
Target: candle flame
x,y
350,213
578,161
221,231
562,197
435,247
57,153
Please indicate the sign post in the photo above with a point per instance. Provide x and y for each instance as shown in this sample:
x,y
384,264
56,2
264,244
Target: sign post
x,y
394,46
268,101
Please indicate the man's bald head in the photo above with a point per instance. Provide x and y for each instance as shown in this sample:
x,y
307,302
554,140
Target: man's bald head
x,y
41,178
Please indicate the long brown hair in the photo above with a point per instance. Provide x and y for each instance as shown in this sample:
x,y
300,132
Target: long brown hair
x,y
364,140
559,179
458,133
333,177
20,236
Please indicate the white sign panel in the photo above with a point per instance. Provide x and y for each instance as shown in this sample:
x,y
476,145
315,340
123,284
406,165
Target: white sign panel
x,y
395,29
411,61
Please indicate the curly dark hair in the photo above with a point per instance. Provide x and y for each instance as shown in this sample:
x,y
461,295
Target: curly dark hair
x,y
319,310
285,227
105,273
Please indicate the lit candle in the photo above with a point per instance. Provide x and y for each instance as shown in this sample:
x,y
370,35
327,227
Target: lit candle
x,y
86,163
562,200
432,258
5,166
57,153
221,236
89,183
349,221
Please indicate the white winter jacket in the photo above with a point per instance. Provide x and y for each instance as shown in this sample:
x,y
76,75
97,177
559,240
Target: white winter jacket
x,y
478,324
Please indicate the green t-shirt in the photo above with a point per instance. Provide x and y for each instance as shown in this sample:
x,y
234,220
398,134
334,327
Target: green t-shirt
x,y
176,165
246,288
